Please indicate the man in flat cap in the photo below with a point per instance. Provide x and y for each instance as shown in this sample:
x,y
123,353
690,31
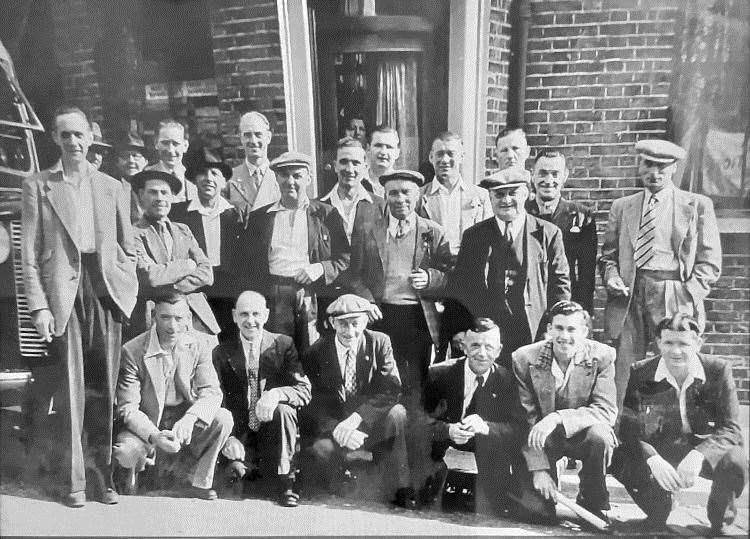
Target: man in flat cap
x,y
130,159
98,149
169,257
253,183
355,391
171,144
294,250
661,254
510,267
399,260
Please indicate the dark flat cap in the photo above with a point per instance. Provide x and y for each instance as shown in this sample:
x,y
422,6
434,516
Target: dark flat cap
x,y
505,179
348,305
204,165
407,175
140,179
660,151
131,141
291,159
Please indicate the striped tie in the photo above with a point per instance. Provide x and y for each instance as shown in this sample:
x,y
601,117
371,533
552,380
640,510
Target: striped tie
x,y
644,245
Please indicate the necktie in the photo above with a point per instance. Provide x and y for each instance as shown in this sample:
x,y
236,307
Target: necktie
x,y
367,185
401,229
506,235
350,375
644,245
166,237
472,407
253,422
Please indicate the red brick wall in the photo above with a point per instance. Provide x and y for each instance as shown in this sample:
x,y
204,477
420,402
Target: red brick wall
x,y
497,74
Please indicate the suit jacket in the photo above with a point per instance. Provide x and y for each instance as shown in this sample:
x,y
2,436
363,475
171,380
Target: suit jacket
x,y
365,210
547,272
651,421
278,368
498,404
591,387
158,272
366,276
136,212
238,195
326,243
50,243
578,227
190,192
695,239
378,381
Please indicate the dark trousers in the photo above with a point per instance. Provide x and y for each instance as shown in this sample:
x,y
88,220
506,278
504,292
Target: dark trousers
x,y
273,447
514,328
294,311
728,480
80,378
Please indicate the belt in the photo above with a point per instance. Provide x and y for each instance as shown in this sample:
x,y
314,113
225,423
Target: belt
x,y
660,275
283,281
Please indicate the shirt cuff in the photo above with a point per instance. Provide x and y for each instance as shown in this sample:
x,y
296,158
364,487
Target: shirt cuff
x,y
315,271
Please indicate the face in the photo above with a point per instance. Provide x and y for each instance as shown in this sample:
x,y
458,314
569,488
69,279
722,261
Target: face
x,y
171,320
349,329
508,203
130,162
73,136
250,314
402,197
356,129
255,137
293,182
95,158
550,174
568,333
171,145
384,150
156,198
446,157
210,182
481,349
677,347
351,166
655,176
512,150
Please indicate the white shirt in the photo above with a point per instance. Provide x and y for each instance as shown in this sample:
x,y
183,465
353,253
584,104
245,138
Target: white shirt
x,y
561,379
341,351
516,225
377,188
664,256
211,218
410,222
547,207
695,372
85,206
470,385
347,209
450,210
288,252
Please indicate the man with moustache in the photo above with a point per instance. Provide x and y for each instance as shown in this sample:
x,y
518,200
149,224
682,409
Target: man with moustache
x,y
384,149
512,150
253,184
574,219
171,144
661,255
78,260
264,386
130,160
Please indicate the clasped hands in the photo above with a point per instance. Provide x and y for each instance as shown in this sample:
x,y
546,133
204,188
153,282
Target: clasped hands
x,y
471,425
347,433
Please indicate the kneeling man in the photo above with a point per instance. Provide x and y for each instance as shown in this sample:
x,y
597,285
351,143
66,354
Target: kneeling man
x,y
680,420
169,397
567,387
263,385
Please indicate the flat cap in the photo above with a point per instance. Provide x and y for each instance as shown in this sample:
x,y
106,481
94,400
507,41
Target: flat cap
x,y
660,151
291,159
98,143
407,175
507,178
140,179
348,305
131,141
205,164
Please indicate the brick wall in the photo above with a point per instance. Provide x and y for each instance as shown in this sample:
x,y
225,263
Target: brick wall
x,y
249,75
497,74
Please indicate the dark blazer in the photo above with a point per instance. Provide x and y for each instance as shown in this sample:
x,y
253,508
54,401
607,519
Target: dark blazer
x,y
651,422
545,265
326,243
498,406
279,367
378,381
578,227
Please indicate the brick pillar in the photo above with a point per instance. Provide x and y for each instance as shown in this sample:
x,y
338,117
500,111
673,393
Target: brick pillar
x,y
497,75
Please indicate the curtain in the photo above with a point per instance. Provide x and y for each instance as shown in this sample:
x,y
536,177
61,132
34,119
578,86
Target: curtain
x,y
397,106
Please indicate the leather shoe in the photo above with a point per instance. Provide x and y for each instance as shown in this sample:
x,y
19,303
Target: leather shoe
x,y
110,497
289,498
202,493
76,499
405,498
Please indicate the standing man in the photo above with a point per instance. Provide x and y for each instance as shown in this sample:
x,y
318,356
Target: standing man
x,y
661,254
355,128
348,196
510,267
98,149
294,250
399,262
253,183
575,220
130,160
171,145
79,274
384,149
264,386
681,420
512,150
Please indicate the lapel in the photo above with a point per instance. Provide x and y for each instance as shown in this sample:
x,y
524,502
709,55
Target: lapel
x,y
266,232
266,365
266,191
533,243
380,232
103,204
63,201
184,369
313,229
456,391
560,211
632,216
543,382
431,203
364,361
330,368
154,368
683,214
195,223
153,244
239,181
236,361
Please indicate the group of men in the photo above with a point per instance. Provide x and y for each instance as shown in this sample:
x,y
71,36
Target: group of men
x,y
259,321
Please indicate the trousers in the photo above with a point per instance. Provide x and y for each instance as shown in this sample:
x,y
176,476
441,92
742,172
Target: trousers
x,y
274,445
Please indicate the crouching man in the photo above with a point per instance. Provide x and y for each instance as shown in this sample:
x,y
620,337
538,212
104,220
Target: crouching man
x,y
567,387
679,421
169,397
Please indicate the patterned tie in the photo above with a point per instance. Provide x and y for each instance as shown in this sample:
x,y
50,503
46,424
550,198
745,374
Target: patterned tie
x,y
253,422
350,375
401,229
644,245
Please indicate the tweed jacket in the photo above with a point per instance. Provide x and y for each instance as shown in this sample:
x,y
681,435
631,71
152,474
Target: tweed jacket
x,y
238,194
591,384
278,368
651,423
695,239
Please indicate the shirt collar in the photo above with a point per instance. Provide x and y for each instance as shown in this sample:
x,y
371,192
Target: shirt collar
x,y
550,206
516,225
255,342
437,186
58,168
393,222
153,348
262,168
279,207
695,372
341,349
333,195
661,196
221,205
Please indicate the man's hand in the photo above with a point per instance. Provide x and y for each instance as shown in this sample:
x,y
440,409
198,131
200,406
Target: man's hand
x,y
539,432
616,286
544,484
374,315
458,435
419,279
44,323
664,473
346,429
309,274
183,428
193,264
233,449
475,424
166,441
689,468
266,405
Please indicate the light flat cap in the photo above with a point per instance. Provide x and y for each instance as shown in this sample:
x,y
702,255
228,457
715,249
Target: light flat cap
x,y
506,179
291,159
407,175
348,305
660,151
